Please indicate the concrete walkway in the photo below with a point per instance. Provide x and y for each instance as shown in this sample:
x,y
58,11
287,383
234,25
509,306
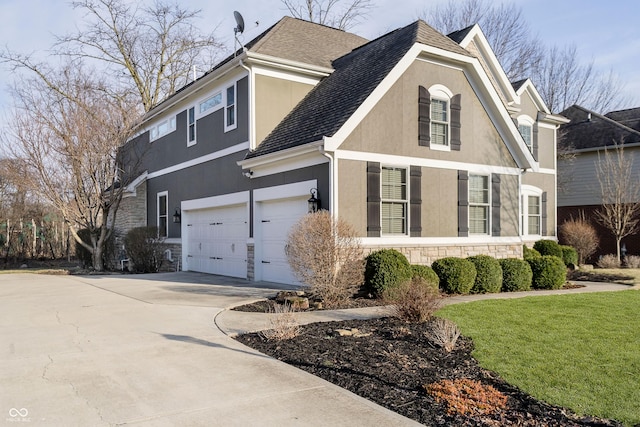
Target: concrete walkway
x,y
144,350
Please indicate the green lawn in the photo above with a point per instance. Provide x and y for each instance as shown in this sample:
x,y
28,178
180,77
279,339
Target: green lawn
x,y
578,351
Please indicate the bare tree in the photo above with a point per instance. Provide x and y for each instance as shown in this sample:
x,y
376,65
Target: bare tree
x,y
325,254
66,130
516,47
581,235
150,51
620,192
342,14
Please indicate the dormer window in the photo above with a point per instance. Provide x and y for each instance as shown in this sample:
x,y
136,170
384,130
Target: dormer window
x,y
527,129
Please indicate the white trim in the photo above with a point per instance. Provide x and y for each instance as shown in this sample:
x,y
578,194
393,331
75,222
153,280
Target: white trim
x,y
160,194
215,201
488,205
267,159
212,156
429,163
437,241
172,123
286,64
131,189
534,94
195,126
525,192
229,127
173,240
304,160
295,189
405,201
547,171
283,75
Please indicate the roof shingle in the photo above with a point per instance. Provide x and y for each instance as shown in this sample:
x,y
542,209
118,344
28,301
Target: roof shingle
x,y
589,129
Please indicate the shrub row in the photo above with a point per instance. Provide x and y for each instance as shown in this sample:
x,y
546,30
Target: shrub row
x,y
388,268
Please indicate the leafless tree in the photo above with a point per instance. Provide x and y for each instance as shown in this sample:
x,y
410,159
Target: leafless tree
x,y
149,50
560,77
325,254
66,130
620,192
581,235
342,14
516,47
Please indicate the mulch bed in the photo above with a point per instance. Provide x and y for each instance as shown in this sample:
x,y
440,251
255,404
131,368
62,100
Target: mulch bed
x,y
389,362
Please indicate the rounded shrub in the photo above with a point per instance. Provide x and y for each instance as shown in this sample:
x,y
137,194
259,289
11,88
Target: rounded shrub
x,y
488,274
516,275
425,272
548,247
549,272
457,275
144,249
529,253
569,256
385,269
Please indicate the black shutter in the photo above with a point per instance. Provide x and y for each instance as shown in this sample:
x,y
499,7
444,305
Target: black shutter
x,y
495,204
424,117
543,209
534,142
463,203
373,199
456,106
415,201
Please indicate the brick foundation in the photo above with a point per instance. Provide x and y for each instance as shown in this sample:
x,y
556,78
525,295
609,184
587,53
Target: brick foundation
x,y
425,255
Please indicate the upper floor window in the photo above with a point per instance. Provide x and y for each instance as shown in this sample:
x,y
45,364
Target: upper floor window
x,y
211,102
163,214
525,127
394,200
479,204
162,128
439,121
191,126
230,109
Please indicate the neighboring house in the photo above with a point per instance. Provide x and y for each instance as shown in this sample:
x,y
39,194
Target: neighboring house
x,y
584,140
417,139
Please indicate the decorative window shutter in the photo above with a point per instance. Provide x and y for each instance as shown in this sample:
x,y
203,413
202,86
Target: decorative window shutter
x,y
534,143
456,106
373,199
463,203
424,117
495,204
543,216
415,201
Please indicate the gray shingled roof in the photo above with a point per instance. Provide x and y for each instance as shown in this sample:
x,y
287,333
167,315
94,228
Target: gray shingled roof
x,y
629,117
330,104
458,36
589,129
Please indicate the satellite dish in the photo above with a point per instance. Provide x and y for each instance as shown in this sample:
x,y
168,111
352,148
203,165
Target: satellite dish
x,y
239,22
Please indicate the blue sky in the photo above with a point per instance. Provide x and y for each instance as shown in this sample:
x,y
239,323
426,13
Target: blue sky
x,y
605,32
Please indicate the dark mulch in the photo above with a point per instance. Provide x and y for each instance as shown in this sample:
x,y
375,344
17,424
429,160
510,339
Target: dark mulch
x,y
392,364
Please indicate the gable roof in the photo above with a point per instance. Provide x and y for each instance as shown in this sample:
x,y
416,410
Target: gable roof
x,y
330,104
590,130
629,117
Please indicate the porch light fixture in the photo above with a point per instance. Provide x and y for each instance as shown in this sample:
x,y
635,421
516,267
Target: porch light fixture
x,y
177,217
314,202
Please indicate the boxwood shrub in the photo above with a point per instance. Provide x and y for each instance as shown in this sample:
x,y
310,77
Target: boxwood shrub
x,y
529,253
488,274
549,272
425,272
516,275
569,256
385,269
457,275
548,247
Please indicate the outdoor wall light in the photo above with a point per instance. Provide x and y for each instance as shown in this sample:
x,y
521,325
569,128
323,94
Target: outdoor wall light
x,y
314,202
177,217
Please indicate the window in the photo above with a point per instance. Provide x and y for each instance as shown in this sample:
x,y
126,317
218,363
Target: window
x,y
211,102
532,208
230,109
191,126
525,131
533,215
163,222
394,200
479,204
162,128
439,122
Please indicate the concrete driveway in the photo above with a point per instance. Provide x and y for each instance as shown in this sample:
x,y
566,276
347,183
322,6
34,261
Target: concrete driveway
x,y
144,350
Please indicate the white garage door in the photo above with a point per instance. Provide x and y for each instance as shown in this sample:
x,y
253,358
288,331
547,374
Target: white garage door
x,y
217,241
277,218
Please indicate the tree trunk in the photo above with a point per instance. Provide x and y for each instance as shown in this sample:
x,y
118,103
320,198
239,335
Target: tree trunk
x,y
618,240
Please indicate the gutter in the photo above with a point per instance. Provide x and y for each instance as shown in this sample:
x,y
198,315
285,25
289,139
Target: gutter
x,y
333,179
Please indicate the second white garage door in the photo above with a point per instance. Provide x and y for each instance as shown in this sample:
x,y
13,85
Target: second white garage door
x,y
275,222
217,241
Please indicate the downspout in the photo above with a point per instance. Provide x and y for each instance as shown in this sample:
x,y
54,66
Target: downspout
x,y
333,179
252,143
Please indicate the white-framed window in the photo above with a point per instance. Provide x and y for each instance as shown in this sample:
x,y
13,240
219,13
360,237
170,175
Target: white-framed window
x,y
212,103
525,127
230,109
479,204
440,117
531,208
191,126
394,200
162,128
163,214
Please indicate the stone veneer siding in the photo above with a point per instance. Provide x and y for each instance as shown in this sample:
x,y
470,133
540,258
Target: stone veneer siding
x,y
251,274
176,255
425,255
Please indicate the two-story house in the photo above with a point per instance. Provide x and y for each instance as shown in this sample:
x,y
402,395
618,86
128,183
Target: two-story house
x,y
416,138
